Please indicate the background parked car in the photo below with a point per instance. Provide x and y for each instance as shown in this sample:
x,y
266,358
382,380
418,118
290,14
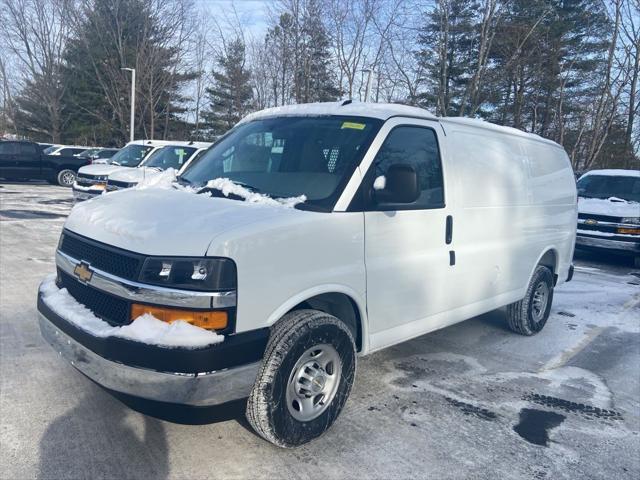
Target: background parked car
x,y
23,160
178,156
609,212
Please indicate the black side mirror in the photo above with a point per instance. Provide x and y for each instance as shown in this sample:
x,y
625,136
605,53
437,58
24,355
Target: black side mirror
x,y
399,185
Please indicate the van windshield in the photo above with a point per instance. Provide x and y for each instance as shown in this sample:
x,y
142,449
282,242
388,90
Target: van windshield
x,y
131,155
607,186
169,157
289,156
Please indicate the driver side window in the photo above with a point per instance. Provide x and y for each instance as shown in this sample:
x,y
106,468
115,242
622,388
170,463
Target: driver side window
x,y
417,147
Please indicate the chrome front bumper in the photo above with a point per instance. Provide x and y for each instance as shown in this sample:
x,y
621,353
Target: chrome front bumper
x,y
85,193
607,243
202,389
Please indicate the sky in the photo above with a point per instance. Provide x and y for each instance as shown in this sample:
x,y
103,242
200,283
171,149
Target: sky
x,y
253,14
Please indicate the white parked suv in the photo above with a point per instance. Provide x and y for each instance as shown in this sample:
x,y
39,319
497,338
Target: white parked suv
x,y
178,157
306,236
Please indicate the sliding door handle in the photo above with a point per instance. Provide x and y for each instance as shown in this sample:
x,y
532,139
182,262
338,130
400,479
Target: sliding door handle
x,y
448,237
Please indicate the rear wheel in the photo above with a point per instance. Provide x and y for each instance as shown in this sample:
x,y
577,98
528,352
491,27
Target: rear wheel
x,y
305,378
66,177
529,315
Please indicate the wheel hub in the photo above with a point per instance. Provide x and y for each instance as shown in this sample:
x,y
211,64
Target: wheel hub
x,y
313,382
540,301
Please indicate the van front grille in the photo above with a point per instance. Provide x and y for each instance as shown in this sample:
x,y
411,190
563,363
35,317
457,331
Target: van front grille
x,y
111,309
109,259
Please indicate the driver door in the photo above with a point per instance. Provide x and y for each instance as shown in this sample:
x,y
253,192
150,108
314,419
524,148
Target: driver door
x,y
409,257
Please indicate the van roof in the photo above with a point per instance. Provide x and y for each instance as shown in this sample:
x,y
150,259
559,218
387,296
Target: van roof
x,y
383,111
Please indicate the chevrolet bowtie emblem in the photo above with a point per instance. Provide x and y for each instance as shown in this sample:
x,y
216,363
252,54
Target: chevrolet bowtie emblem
x,y
591,221
83,272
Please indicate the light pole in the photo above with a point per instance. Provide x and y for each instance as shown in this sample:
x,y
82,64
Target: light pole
x,y
133,100
367,89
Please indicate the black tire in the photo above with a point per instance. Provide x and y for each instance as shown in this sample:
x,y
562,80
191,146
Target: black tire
x,y
66,177
524,317
292,337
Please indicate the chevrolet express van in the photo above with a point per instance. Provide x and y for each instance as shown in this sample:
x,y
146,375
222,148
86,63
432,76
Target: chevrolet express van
x,y
177,157
609,212
92,179
307,236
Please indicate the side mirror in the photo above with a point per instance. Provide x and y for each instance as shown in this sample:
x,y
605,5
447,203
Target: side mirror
x,y
399,185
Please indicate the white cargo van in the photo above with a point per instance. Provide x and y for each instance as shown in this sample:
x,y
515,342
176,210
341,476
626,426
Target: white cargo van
x,y
91,180
178,157
306,236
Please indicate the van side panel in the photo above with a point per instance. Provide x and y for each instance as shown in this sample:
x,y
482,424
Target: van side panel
x,y
515,199
492,215
553,191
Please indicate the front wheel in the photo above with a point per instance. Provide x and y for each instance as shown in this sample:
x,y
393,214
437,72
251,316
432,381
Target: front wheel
x,y
305,379
529,315
66,177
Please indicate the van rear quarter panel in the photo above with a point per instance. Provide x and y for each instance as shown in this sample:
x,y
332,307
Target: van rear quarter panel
x,y
514,199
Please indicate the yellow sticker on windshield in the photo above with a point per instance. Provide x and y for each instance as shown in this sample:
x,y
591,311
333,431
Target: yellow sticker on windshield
x,y
355,126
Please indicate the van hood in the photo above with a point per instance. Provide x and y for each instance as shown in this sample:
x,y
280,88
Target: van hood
x,y
166,222
101,169
614,207
134,175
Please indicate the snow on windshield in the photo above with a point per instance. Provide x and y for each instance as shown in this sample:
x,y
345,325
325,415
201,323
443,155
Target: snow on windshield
x,y
145,329
168,180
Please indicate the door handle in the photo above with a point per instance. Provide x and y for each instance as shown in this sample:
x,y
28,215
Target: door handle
x,y
448,237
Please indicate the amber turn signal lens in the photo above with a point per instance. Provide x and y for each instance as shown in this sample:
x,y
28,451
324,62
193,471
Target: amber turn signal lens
x,y
211,320
629,231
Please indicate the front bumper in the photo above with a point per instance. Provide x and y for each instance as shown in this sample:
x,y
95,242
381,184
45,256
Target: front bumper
x,y
81,193
590,239
196,377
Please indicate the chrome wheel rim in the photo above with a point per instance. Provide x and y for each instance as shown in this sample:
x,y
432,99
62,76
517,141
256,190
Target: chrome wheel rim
x,y
313,382
540,301
68,178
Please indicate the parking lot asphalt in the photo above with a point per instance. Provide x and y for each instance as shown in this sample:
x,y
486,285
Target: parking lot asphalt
x,y
470,401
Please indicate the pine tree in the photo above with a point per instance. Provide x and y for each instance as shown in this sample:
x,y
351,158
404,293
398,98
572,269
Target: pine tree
x,y
447,52
113,35
230,97
318,84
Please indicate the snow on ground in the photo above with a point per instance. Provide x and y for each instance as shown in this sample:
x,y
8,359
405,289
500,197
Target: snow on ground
x,y
145,329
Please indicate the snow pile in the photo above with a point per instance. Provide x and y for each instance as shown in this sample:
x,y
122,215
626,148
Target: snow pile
x,y
228,187
165,180
168,180
611,206
145,329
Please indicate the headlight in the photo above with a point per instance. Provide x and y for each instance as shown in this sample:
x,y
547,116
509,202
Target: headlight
x,y
205,274
631,220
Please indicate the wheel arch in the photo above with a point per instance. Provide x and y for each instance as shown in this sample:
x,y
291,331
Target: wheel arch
x,y
337,300
548,258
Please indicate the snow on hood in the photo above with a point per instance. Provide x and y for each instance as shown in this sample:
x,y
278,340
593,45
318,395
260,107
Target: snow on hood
x,y
165,221
612,206
615,172
101,169
134,175
146,328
